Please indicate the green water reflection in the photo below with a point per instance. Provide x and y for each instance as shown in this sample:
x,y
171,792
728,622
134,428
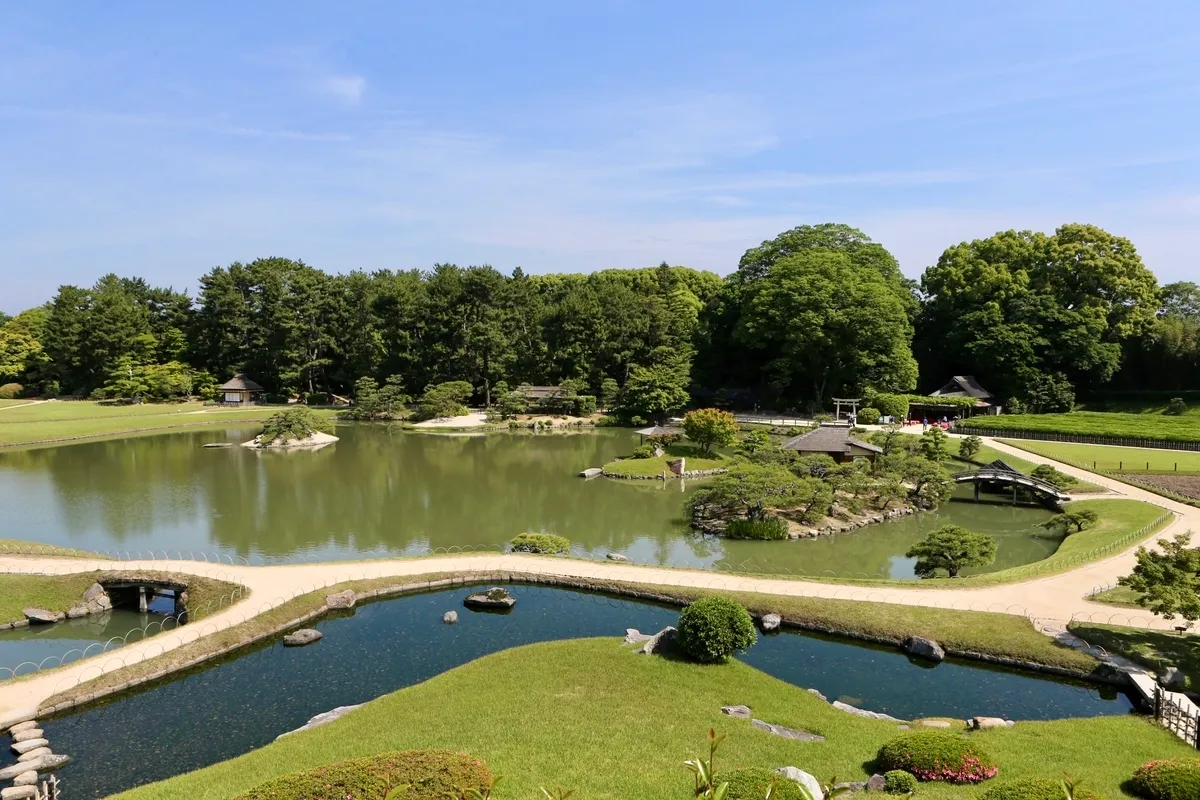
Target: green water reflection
x,y
386,490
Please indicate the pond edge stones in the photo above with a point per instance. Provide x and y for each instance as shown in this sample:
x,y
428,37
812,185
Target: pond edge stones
x,y
495,599
340,600
924,648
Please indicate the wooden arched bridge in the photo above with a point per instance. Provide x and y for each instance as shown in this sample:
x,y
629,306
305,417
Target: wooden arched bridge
x,y
1001,473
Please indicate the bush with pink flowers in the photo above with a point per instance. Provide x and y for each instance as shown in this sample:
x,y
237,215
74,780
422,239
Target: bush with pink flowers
x,y
935,756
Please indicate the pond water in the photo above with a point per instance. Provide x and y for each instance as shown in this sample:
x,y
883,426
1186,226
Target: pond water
x,y
245,702
386,491
93,634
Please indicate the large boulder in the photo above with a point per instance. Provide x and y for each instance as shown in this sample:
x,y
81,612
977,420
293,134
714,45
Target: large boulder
x,y
345,599
495,598
1173,679
924,648
803,778
301,637
94,592
40,616
661,642
771,622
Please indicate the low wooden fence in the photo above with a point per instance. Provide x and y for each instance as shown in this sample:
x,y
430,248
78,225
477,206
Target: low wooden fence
x,y
1178,714
966,427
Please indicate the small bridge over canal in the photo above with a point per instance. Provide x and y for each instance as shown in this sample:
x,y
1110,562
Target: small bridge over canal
x,y
998,474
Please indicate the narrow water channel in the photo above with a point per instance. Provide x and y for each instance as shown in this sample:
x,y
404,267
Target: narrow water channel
x,y
244,702
70,640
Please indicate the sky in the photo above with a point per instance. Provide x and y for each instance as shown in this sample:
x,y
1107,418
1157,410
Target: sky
x,y
164,139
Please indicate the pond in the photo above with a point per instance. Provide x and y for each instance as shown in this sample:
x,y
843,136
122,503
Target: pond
x,y
246,701
24,647
385,491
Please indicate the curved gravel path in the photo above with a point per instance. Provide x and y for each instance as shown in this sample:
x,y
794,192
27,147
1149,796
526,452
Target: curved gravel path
x,y
1046,601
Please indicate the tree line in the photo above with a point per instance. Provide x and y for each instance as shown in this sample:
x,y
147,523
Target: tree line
x,y
816,312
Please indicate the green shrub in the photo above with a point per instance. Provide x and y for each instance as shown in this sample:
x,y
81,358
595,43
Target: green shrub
x,y
712,628
431,775
275,399
891,405
585,405
1034,789
607,421
11,391
644,451
933,756
770,528
545,543
868,415
751,784
1049,474
1178,779
295,422
897,781
1175,407
317,399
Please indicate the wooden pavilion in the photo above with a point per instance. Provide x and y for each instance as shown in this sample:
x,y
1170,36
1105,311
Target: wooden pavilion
x,y
240,390
834,441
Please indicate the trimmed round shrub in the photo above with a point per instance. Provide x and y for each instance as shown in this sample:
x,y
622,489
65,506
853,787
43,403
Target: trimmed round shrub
x,y
869,416
1034,789
770,528
275,399
546,543
933,756
644,451
431,775
1177,779
711,629
751,784
1176,407
11,391
897,781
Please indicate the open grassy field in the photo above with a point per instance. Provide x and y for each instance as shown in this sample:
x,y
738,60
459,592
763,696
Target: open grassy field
x,y
1136,427
649,467
68,420
1115,459
987,455
1153,649
591,716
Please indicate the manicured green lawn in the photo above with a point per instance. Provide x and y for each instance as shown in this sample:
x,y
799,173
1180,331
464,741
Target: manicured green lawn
x,y
987,455
591,716
647,467
1121,596
1088,423
1154,649
1114,459
66,420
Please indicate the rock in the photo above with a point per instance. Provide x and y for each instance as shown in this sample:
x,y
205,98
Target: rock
x,y
617,557
43,764
1171,678
924,648
95,591
27,734
862,712
803,778
32,754
345,599
634,636
29,744
23,726
77,611
771,622
736,711
786,733
660,642
301,637
876,783
324,718
450,617
26,779
591,472
103,603
19,792
495,597
851,787
816,693
41,616
983,723
934,723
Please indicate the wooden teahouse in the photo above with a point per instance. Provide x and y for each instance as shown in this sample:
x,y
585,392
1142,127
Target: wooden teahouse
x,y
240,390
834,441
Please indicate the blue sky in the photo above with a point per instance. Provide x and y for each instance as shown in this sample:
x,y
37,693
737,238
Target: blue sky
x,y
162,139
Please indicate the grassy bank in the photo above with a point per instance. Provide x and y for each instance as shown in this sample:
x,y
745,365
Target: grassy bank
x,y
1138,427
651,467
1153,649
1115,459
60,592
63,421
987,455
610,724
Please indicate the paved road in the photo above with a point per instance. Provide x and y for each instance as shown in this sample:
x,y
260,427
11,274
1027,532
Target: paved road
x,y
1056,597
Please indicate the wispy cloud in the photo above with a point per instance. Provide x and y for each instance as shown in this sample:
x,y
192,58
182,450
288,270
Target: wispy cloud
x,y
158,120
348,89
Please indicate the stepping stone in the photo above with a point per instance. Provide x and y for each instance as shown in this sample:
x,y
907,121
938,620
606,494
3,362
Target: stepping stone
x,y
34,754
736,711
786,733
23,726
29,744
43,764
26,779
26,735
19,793
41,616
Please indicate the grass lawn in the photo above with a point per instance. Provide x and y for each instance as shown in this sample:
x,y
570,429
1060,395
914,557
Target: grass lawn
x,y
67,420
987,455
1121,596
1115,459
1154,649
591,716
60,592
649,467
1141,427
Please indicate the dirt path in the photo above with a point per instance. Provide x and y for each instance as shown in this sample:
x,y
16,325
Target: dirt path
x,y
22,405
1044,600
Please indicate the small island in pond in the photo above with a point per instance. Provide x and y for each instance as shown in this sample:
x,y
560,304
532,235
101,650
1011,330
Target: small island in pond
x,y
294,428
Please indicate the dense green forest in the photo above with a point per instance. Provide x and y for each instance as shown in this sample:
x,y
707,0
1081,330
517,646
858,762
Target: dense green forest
x,y
818,311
